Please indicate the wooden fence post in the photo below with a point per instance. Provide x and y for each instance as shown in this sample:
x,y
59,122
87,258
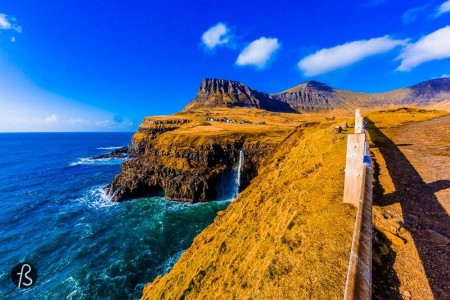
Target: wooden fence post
x,y
354,167
359,124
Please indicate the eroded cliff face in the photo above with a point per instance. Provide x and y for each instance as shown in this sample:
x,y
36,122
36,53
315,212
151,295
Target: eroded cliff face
x,y
186,166
230,93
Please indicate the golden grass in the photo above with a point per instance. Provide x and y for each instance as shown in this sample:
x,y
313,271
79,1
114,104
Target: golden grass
x,y
400,116
199,131
287,235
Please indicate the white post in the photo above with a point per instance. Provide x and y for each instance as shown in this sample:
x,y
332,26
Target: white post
x,y
354,168
359,125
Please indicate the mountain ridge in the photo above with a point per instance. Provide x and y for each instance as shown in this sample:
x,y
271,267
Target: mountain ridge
x,y
314,96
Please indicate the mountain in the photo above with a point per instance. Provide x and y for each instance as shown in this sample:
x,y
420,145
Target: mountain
x,y
311,95
229,93
315,96
424,93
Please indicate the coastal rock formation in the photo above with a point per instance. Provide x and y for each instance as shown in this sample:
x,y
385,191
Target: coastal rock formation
x,y
116,153
191,174
185,167
229,93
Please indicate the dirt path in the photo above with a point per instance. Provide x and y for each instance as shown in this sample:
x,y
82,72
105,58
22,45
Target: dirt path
x,y
411,212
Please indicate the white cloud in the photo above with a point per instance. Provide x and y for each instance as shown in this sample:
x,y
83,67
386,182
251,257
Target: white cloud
x,y
13,39
4,23
445,76
329,59
444,8
258,52
9,23
433,46
412,14
52,119
219,34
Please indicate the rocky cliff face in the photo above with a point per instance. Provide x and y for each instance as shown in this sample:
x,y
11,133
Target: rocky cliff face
x,y
185,169
229,93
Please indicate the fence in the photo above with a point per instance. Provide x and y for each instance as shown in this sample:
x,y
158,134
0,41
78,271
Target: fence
x,y
358,191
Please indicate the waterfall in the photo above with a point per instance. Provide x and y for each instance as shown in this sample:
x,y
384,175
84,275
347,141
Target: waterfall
x,y
230,181
237,179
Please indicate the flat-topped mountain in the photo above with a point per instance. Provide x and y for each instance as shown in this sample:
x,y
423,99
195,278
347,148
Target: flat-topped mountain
x,y
229,93
314,96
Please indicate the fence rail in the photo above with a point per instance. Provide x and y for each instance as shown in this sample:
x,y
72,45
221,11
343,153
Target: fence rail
x,y
358,191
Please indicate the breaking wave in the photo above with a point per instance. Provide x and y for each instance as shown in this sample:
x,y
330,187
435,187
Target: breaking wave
x,y
109,148
98,161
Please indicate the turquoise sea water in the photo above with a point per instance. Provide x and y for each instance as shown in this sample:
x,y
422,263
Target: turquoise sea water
x,y
54,215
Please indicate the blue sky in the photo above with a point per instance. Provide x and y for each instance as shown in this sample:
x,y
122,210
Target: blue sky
x,y
104,65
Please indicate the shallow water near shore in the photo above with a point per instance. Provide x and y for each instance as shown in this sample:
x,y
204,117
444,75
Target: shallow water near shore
x,y
55,215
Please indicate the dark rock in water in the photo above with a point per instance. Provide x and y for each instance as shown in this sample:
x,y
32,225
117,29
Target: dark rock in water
x,y
117,153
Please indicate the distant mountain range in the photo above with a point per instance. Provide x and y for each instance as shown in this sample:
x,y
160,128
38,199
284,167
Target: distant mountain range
x,y
315,96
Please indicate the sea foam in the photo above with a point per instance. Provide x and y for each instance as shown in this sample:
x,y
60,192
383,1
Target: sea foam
x,y
98,161
109,148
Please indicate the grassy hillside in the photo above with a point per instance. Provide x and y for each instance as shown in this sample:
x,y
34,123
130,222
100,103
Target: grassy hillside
x,y
287,235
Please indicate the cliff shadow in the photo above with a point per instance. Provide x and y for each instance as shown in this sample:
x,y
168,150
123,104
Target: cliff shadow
x,y
420,207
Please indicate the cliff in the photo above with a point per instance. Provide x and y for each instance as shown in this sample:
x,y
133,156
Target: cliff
x,y
229,93
187,158
287,235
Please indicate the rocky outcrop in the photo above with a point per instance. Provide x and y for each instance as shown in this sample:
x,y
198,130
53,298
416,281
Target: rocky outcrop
x,y
187,173
116,153
188,169
229,93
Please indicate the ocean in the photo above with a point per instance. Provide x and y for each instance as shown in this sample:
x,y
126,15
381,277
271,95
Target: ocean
x,y
55,216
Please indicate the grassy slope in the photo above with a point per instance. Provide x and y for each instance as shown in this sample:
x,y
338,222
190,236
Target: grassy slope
x,y
287,236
